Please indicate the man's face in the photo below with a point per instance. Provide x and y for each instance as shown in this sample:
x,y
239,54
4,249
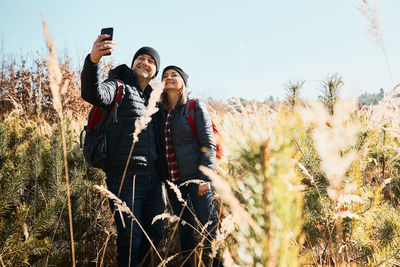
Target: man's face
x,y
145,66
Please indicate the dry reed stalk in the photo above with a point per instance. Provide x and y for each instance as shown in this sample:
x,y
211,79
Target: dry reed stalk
x,y
164,262
17,107
204,229
199,257
192,181
226,228
305,171
178,193
372,14
374,29
39,98
107,238
122,218
228,261
173,218
173,233
238,212
269,207
1,261
133,204
55,77
194,251
167,216
151,108
140,124
124,208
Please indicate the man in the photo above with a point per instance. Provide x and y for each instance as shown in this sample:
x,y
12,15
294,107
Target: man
x,y
148,197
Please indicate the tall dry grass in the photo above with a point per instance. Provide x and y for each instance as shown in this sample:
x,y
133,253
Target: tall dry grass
x,y
312,183
57,87
257,171
315,189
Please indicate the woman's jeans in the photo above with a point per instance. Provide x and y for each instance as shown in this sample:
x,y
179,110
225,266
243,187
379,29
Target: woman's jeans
x,y
204,211
148,203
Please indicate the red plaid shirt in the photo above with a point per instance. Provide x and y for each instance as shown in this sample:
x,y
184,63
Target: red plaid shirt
x,y
169,149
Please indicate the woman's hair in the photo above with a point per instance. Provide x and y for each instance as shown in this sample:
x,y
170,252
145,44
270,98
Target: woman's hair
x,y
183,96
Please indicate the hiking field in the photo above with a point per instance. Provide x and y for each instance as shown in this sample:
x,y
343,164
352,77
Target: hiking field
x,y
301,182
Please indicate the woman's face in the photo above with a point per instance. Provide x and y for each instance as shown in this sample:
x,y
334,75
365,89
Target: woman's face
x,y
172,80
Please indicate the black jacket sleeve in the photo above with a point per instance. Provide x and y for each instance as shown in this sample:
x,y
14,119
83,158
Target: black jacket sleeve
x,y
205,135
97,93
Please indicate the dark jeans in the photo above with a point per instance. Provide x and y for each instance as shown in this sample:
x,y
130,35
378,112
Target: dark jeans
x,y
204,211
148,203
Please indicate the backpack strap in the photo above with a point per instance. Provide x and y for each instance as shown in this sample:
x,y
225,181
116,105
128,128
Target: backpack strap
x,y
189,114
95,117
118,98
99,116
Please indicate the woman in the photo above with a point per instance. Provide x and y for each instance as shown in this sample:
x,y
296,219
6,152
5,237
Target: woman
x,y
181,153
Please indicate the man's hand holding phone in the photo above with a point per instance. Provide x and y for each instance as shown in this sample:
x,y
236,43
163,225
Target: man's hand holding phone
x,y
102,46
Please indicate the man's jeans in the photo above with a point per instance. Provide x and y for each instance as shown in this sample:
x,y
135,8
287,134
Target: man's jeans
x,y
148,203
204,211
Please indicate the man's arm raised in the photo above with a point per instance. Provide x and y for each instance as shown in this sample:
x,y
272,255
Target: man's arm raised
x,y
92,90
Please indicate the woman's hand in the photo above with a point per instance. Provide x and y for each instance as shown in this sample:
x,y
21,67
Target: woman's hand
x,y
204,188
100,48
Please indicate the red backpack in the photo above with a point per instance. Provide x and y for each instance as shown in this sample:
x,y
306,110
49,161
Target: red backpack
x,y
95,142
190,115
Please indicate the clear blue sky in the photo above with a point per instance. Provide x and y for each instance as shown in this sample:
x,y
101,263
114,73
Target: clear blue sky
x,y
248,49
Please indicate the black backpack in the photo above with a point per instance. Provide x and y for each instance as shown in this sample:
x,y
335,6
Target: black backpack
x,y
95,142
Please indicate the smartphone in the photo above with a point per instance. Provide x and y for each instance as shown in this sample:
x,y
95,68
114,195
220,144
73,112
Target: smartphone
x,y
109,31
